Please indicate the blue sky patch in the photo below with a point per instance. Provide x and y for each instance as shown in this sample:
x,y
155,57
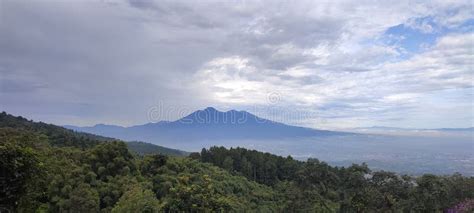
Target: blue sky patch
x,y
412,40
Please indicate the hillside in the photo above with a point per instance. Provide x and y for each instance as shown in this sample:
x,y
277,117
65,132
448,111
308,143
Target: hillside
x,y
143,148
46,168
57,136
60,136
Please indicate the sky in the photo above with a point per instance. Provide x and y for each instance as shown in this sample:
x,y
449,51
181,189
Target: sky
x,y
320,64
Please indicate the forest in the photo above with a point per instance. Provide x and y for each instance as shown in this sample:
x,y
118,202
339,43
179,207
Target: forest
x,y
47,168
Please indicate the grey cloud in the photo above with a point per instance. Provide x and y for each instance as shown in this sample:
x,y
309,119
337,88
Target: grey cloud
x,y
121,58
304,80
14,86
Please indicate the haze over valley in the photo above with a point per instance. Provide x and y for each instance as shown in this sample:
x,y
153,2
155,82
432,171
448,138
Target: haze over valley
x,y
408,151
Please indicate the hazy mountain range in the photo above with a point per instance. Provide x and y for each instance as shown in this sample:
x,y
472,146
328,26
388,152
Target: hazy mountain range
x,y
448,132
211,124
208,124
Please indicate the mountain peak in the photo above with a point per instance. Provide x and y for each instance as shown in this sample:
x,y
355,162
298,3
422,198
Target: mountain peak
x,y
105,125
212,116
211,109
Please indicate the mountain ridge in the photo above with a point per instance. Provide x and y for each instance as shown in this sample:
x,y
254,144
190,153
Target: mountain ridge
x,y
209,124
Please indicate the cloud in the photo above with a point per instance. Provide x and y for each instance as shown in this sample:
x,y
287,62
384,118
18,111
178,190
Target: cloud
x,y
380,90
110,61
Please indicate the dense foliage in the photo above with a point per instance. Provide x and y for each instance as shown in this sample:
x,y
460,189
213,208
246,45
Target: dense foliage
x,y
143,148
316,186
46,168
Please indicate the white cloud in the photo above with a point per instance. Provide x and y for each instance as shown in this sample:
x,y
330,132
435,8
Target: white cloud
x,y
386,88
318,56
421,25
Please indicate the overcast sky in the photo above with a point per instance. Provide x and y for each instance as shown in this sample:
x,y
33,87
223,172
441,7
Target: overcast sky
x,y
312,63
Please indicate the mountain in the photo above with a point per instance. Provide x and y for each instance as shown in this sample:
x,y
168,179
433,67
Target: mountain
x,y
469,129
415,131
208,124
386,128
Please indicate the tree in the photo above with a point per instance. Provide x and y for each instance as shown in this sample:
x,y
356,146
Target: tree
x,y
84,199
18,166
430,194
201,196
138,200
228,164
111,159
151,163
